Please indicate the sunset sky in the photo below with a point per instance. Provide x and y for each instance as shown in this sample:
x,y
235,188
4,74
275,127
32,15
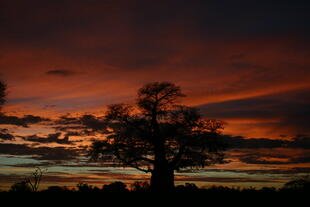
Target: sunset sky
x,y
244,62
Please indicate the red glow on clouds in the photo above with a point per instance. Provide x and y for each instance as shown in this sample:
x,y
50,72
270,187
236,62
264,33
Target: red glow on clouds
x,y
252,73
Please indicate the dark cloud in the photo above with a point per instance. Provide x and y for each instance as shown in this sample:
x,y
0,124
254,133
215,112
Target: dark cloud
x,y
24,100
303,159
248,66
262,151
253,18
239,16
21,121
51,138
278,156
67,120
93,122
79,126
6,136
60,72
239,142
291,109
39,153
257,159
142,34
48,106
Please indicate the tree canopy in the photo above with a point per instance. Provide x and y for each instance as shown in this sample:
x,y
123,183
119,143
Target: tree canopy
x,y
158,135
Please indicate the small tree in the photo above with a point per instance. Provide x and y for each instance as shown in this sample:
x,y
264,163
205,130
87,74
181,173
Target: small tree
x,y
158,136
299,184
35,180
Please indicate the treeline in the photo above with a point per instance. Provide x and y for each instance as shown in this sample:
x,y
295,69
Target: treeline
x,y
294,186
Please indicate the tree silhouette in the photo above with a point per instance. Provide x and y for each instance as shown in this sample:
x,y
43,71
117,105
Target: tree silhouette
x,y
21,187
116,187
139,186
34,182
85,188
299,184
158,136
2,93
29,184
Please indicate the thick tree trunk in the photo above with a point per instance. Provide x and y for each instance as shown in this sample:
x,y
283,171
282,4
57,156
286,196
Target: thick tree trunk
x,y
162,179
162,175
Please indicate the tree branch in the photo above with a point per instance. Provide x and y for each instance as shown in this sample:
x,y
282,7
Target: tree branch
x,y
178,157
130,162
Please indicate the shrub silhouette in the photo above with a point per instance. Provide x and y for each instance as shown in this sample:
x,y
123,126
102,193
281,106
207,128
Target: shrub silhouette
x,y
140,187
85,188
115,187
57,189
188,187
21,187
298,185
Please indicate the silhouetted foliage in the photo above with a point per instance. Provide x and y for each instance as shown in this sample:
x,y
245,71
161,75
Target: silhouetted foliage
x,y
85,188
224,189
158,136
57,189
116,187
2,93
140,187
295,187
35,180
29,184
188,187
21,187
298,185
268,190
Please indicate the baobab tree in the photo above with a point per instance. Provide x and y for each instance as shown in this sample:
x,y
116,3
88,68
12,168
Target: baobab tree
x,y
2,93
158,136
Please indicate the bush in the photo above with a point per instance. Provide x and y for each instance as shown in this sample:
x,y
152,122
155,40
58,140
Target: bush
x,y
115,187
140,187
21,187
297,185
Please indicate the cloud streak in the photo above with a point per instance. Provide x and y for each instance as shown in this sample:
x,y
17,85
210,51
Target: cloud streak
x,y
24,121
235,64
51,138
39,153
59,72
283,113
